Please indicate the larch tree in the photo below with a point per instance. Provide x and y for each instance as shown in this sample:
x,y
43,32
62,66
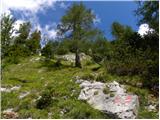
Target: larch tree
x,y
76,24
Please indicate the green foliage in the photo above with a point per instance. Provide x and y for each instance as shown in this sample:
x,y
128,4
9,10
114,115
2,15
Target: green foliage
x,y
106,90
6,98
33,113
148,12
84,111
120,32
64,47
102,77
16,47
88,76
144,114
45,100
112,94
136,55
76,24
6,33
96,93
128,56
101,49
62,50
49,49
33,43
23,32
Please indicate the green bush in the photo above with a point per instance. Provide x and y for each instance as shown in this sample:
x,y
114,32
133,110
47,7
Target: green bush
x,y
62,50
45,100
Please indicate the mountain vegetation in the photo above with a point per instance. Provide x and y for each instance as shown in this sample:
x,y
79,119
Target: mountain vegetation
x,y
129,58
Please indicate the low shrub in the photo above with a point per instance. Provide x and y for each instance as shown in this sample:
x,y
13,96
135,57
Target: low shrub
x,y
106,90
45,100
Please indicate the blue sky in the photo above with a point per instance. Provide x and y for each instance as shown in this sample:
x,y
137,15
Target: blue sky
x,y
46,14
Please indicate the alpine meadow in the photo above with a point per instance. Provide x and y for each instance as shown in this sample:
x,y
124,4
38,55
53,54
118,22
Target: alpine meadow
x,y
79,59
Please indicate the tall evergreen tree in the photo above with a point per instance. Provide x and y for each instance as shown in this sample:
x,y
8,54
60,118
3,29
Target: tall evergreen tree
x,y
6,32
76,23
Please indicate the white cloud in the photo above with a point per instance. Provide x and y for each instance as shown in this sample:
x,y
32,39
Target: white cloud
x,y
25,5
97,20
144,29
49,31
29,10
18,23
16,26
63,5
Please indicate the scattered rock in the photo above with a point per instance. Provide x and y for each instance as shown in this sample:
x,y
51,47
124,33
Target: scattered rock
x,y
39,97
10,114
5,90
35,59
22,95
79,81
29,118
151,108
10,89
115,102
63,111
49,115
15,88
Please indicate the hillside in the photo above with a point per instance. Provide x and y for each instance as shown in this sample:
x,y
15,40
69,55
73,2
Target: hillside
x,y
36,88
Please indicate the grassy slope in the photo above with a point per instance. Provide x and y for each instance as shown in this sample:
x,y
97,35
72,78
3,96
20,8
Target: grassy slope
x,y
38,76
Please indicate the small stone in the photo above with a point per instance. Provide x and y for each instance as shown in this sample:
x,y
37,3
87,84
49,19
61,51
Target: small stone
x,y
151,107
22,95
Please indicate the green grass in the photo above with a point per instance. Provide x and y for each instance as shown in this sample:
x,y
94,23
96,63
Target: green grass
x,y
38,77
41,76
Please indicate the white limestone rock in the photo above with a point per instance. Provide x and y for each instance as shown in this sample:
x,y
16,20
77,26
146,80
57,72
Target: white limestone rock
x,y
118,105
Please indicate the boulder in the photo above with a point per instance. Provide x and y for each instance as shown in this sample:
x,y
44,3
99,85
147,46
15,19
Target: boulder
x,y
114,102
71,57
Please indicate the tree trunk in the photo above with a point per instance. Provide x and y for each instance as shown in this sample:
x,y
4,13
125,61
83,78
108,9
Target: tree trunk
x,y
77,59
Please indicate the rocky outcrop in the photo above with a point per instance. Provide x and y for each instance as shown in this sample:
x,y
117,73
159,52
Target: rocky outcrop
x,y
71,57
68,57
110,98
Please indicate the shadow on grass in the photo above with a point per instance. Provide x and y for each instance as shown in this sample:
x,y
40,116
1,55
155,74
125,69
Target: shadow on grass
x,y
54,65
20,80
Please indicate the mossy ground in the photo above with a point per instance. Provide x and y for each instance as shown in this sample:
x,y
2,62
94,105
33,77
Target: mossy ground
x,y
37,76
